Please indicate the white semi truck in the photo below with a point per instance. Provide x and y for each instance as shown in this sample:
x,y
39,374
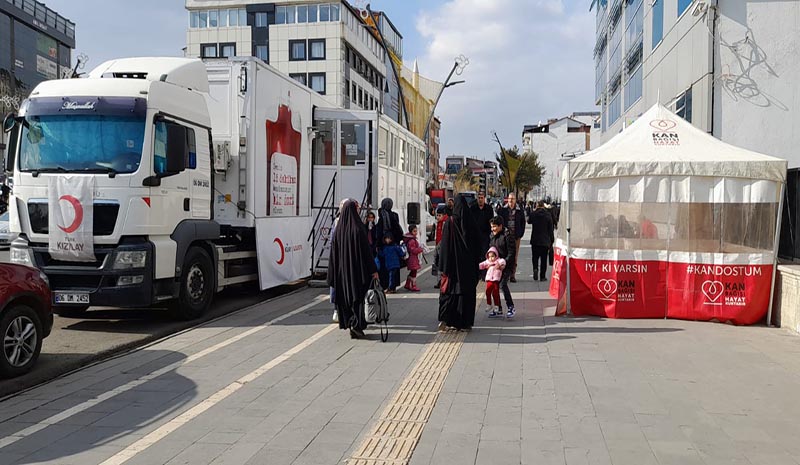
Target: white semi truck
x,y
167,179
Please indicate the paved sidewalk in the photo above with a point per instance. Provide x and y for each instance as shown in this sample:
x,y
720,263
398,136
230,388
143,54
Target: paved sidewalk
x,y
533,390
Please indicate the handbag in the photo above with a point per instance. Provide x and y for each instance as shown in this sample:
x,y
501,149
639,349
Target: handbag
x,y
376,308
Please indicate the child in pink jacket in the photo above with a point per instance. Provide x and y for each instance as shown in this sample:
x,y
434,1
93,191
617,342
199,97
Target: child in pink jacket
x,y
494,274
414,250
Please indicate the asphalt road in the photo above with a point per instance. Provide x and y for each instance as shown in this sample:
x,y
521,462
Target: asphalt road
x,y
101,333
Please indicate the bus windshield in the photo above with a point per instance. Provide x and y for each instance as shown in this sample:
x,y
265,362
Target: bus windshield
x,y
82,143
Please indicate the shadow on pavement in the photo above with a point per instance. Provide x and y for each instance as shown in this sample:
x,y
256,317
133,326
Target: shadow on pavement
x,y
119,420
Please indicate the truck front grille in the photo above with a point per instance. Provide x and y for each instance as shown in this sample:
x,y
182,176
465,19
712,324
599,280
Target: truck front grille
x,y
105,218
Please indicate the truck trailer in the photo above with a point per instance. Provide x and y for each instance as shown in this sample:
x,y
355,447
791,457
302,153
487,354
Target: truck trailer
x,y
158,180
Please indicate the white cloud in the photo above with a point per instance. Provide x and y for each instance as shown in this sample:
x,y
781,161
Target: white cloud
x,y
529,60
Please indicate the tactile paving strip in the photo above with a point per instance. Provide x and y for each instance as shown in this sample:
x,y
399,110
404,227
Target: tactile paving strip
x,y
394,436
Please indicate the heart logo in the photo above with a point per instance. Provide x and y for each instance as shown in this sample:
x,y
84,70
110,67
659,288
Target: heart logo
x,y
712,290
663,124
607,287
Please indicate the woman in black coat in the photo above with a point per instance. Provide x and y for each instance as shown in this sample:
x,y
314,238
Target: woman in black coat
x,y
458,263
351,269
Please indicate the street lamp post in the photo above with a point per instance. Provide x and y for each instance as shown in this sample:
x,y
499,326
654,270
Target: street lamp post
x,y
461,62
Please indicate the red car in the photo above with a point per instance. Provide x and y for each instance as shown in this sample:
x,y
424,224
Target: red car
x,y
26,317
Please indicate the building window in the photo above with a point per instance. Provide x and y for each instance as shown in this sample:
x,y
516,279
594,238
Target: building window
x,y
299,77
683,106
316,49
261,20
312,13
658,22
242,17
280,15
354,94
683,5
335,12
203,19
233,18
324,13
360,97
290,14
302,13
633,88
347,88
227,50
213,17
317,82
194,19
208,51
297,50
262,53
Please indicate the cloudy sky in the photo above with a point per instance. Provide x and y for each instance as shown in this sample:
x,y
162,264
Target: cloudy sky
x,y
528,59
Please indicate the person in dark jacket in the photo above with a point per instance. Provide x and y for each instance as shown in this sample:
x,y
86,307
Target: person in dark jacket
x,y
482,213
351,269
505,244
391,254
514,221
542,239
388,222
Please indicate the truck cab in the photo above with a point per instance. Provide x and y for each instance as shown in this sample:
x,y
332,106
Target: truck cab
x,y
137,135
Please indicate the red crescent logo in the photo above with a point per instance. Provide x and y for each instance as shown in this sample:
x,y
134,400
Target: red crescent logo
x,y
76,223
283,254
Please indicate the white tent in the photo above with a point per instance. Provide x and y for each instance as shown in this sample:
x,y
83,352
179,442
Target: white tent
x,y
665,220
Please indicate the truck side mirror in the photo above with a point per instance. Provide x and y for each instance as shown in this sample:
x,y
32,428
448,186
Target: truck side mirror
x,y
9,122
9,126
177,148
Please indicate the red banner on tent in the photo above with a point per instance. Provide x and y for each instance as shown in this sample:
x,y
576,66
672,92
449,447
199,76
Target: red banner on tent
x,y
738,294
729,293
618,289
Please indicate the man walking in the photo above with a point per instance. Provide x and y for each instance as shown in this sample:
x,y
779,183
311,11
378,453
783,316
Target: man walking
x,y
483,214
503,241
542,239
514,219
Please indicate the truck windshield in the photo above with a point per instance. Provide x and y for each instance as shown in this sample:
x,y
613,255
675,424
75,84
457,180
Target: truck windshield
x,y
82,143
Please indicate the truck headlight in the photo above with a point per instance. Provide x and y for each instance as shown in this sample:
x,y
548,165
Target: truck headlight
x,y
21,256
130,259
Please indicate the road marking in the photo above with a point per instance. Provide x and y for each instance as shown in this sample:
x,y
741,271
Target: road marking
x,y
187,416
83,406
395,435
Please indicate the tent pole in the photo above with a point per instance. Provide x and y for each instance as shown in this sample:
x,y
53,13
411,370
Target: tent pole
x,y
775,247
567,260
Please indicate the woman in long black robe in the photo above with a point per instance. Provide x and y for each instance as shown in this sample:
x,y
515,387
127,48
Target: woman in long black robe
x,y
351,269
458,261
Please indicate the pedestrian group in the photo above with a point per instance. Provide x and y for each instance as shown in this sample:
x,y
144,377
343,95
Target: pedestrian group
x,y
473,243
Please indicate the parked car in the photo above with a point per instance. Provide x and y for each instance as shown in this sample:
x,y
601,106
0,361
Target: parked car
x,y
26,317
6,236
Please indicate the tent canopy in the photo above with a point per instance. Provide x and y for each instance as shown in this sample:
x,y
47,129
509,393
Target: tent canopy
x,y
660,143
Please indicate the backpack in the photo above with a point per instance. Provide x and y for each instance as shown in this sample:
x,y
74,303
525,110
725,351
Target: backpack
x,y
404,248
376,308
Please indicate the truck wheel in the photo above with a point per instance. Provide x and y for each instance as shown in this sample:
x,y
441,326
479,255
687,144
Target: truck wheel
x,y
71,312
197,285
22,340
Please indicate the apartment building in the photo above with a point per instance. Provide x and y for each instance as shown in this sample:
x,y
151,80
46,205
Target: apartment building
x,y
555,142
727,66
326,46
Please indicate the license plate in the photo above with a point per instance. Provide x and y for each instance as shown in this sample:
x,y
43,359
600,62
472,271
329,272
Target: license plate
x,y
71,298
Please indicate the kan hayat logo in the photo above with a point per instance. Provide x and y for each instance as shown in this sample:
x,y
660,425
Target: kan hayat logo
x,y
719,293
663,133
611,290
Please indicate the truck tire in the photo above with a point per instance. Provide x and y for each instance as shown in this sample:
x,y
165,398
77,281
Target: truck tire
x,y
21,330
197,285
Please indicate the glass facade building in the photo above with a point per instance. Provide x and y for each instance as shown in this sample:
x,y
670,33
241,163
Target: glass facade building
x,y
618,56
35,45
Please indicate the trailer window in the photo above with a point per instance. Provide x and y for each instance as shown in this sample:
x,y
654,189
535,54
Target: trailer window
x,y
354,143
